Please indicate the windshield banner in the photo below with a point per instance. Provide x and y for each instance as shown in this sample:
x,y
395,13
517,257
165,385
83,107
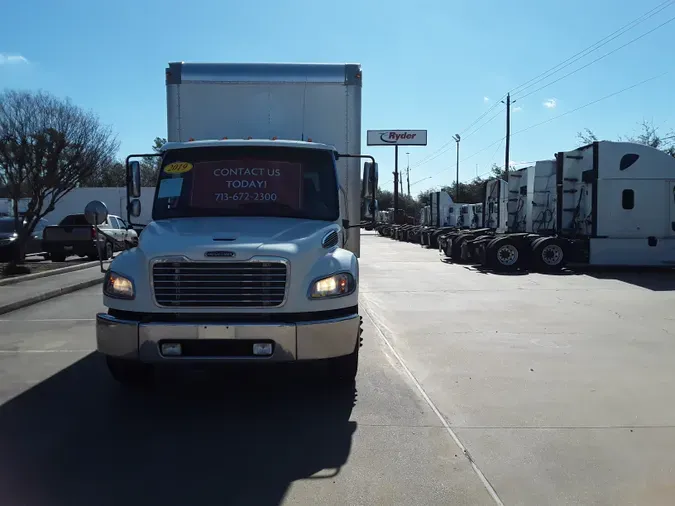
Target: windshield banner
x,y
225,184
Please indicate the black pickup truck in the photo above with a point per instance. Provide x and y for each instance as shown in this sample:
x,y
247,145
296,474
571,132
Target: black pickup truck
x,y
74,236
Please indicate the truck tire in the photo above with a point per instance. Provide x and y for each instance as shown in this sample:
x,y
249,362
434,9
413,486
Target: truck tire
x,y
57,257
503,254
129,373
548,255
456,249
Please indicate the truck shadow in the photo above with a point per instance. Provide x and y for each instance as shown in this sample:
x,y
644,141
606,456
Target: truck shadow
x,y
651,278
77,438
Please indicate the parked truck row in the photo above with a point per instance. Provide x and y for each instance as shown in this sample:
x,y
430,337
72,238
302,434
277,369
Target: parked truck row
x,y
605,204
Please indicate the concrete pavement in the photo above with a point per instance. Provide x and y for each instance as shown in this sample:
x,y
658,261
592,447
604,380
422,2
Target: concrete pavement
x,y
558,388
65,424
25,293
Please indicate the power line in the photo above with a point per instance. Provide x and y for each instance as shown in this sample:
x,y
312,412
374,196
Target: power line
x,y
528,84
598,59
592,103
559,116
593,47
553,70
446,147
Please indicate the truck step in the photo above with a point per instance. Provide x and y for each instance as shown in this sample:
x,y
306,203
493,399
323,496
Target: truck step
x,y
570,191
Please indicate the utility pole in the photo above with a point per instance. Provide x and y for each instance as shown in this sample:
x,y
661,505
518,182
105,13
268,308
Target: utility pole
x,y
508,136
407,173
396,183
457,139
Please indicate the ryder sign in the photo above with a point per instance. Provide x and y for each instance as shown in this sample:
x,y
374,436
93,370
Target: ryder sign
x,y
397,137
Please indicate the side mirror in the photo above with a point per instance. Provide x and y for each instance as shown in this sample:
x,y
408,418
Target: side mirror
x,y
96,213
370,177
134,179
135,208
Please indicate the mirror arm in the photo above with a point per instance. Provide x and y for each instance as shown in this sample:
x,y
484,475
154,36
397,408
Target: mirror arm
x,y
128,182
372,199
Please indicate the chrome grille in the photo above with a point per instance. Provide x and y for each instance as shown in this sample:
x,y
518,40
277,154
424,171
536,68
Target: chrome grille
x,y
219,284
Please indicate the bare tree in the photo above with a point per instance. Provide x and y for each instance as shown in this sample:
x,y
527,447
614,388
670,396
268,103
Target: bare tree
x,y
112,175
647,134
48,146
587,136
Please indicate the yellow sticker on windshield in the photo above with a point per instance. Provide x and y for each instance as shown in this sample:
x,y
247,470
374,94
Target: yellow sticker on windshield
x,y
178,168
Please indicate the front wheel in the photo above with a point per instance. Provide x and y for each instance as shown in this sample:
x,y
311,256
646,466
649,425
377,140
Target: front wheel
x,y
129,373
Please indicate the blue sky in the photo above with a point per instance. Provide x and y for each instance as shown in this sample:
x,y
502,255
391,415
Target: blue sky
x,y
431,64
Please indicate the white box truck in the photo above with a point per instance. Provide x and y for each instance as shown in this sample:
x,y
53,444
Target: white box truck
x,y
252,254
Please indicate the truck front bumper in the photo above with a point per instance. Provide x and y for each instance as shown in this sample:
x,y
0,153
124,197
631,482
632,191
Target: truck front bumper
x,y
310,340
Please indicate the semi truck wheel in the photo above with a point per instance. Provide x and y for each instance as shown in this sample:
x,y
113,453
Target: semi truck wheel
x,y
456,249
548,255
129,372
503,254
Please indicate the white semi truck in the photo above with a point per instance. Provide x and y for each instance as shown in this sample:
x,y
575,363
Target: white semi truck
x,y
252,254
604,204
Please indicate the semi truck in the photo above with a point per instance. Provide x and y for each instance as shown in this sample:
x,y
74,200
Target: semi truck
x,y
252,252
603,204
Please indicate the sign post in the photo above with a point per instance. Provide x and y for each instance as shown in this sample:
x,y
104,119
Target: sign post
x,y
396,138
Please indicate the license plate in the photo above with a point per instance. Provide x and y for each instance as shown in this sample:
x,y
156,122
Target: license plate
x,y
68,248
216,332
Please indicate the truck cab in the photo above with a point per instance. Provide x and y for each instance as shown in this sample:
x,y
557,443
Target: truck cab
x,y
248,258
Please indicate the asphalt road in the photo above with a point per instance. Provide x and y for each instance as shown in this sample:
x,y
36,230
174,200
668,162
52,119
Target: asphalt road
x,y
473,389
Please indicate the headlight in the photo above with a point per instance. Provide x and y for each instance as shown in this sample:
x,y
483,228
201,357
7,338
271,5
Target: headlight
x,y
336,285
115,285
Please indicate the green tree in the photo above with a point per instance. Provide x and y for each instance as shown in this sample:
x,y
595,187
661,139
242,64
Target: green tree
x,y
48,147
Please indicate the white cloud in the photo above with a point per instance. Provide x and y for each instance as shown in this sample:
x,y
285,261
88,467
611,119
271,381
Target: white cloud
x,y
551,103
8,59
486,99
517,109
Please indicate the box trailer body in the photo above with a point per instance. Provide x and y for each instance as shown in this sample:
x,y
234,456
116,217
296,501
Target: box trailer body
x,y
252,252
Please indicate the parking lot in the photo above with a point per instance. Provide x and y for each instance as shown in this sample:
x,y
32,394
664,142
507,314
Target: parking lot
x,y
474,388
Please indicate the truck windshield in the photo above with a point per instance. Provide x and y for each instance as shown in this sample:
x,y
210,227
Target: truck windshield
x,y
247,181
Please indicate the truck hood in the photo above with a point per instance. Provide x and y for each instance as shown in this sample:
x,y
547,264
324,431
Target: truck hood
x,y
244,236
